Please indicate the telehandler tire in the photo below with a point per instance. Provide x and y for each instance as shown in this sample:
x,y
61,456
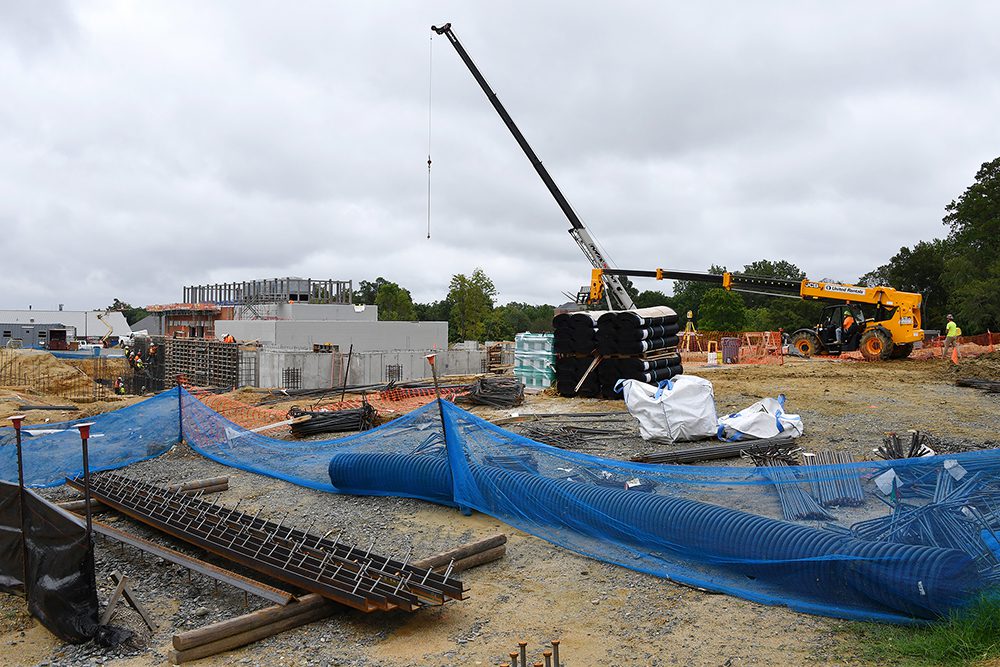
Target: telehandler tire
x,y
876,345
806,342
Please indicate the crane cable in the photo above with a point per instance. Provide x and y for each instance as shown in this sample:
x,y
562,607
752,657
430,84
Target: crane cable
x,y
430,90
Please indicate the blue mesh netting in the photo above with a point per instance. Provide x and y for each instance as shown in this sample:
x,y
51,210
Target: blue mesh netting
x,y
917,548
135,433
915,552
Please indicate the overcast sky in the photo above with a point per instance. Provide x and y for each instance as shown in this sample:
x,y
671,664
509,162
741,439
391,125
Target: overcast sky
x,y
145,146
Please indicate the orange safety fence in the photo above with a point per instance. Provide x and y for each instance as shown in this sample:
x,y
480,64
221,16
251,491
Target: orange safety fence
x,y
751,347
389,403
968,346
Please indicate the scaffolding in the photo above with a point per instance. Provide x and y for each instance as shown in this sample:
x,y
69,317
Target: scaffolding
x,y
275,290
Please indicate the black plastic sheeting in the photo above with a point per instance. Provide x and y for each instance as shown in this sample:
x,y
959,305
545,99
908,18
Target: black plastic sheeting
x,y
61,586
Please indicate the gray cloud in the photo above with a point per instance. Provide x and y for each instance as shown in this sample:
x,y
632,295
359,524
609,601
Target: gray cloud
x,y
144,148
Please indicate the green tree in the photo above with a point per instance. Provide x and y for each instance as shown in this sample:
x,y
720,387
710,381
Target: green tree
x,y
394,302
920,270
472,299
688,295
368,291
650,298
514,318
435,311
973,269
770,313
132,313
721,310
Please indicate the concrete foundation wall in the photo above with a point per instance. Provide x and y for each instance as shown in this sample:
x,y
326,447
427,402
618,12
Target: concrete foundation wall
x,y
323,370
365,336
318,312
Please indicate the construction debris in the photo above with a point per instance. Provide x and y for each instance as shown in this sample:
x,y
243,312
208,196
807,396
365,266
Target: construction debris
x,y
989,386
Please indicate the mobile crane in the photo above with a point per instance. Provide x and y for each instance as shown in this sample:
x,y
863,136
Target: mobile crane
x,y
615,294
887,330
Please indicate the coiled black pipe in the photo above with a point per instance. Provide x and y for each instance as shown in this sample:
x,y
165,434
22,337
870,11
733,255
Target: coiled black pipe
x,y
825,566
615,346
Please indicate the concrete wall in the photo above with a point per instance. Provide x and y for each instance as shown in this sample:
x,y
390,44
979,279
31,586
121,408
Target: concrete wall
x,y
365,336
323,370
317,312
318,369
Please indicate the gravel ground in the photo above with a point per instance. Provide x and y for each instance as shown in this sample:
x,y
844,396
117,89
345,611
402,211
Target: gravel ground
x,y
602,613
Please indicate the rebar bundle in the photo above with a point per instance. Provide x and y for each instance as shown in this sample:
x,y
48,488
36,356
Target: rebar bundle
x,y
796,503
312,422
722,450
496,392
893,448
839,487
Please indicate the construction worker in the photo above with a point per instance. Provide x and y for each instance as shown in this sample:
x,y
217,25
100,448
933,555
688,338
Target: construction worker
x,y
119,386
951,333
843,333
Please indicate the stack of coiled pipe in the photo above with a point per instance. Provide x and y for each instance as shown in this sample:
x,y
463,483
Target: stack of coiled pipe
x,y
825,568
636,344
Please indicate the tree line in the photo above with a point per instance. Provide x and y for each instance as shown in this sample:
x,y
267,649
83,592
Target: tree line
x,y
959,274
470,308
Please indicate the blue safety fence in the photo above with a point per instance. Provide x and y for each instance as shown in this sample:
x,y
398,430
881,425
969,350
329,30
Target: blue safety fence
x,y
916,550
52,452
899,541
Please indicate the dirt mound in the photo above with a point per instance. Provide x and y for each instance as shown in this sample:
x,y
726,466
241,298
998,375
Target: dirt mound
x,y
985,367
41,372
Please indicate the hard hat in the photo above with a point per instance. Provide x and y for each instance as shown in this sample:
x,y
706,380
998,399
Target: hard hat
x,y
950,316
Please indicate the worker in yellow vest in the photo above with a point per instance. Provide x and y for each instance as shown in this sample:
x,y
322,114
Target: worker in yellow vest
x,y
951,334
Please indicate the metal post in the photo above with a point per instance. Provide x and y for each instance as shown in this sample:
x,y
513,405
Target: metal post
x,y
350,353
84,429
16,420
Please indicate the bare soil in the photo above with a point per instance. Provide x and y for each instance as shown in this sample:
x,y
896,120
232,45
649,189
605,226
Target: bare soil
x,y
603,614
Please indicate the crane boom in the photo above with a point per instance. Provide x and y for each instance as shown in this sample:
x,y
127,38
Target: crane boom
x,y
615,293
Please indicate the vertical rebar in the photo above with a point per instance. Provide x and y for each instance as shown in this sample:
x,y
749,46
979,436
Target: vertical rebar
x,y
84,429
555,653
16,420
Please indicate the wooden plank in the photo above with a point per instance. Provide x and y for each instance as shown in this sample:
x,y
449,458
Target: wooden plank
x,y
252,627
120,579
113,602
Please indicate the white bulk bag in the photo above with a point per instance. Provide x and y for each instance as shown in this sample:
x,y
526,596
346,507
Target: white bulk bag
x,y
764,419
682,408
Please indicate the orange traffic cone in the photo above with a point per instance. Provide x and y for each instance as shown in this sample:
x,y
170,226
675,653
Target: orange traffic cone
x,y
954,355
